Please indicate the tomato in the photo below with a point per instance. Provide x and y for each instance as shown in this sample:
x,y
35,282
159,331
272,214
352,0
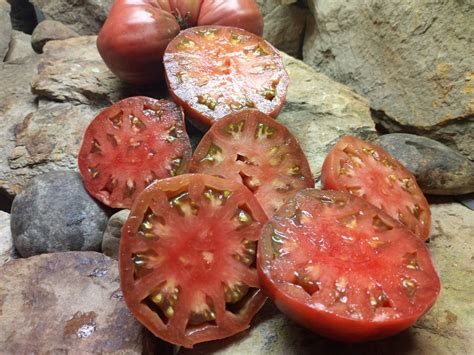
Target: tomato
x,y
131,144
250,147
187,258
368,171
136,32
343,268
213,71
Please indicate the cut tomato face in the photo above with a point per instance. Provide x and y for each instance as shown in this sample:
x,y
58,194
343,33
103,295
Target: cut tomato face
x,y
213,71
131,144
343,268
368,171
187,258
253,149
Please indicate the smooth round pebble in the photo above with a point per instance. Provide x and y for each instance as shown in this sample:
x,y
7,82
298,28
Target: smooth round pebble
x,y
55,213
111,239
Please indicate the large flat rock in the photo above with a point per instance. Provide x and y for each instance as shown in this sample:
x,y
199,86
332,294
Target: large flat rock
x,y
414,61
446,329
65,302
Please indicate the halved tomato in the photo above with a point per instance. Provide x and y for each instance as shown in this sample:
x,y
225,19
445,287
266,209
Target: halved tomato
x,y
212,71
251,148
368,171
131,144
343,268
187,258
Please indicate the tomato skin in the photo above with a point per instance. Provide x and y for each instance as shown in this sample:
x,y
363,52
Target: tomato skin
x,y
234,13
380,178
134,38
300,305
136,32
175,254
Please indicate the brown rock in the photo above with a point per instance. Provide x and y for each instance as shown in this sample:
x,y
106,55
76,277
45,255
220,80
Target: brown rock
x,y
56,303
16,101
49,30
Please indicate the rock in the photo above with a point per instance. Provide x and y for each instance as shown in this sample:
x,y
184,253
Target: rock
x,y
319,110
446,329
5,28
111,238
7,251
85,17
49,30
20,46
439,170
47,140
267,6
65,302
16,102
55,213
413,60
72,71
284,28
23,16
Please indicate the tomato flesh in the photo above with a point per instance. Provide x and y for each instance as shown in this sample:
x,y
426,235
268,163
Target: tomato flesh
x,y
251,148
213,71
187,256
345,269
131,144
368,171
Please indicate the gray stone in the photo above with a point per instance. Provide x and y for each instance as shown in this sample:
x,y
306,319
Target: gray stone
x,y
439,170
85,17
412,59
267,6
16,102
55,213
49,30
5,28
20,46
319,110
284,27
446,329
65,303
7,250
111,238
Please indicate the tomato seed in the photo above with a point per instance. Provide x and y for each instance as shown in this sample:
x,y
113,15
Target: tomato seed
x,y
137,124
410,286
175,165
112,139
348,221
295,170
116,120
375,242
185,44
207,100
380,225
234,293
416,211
235,128
185,205
130,188
94,172
214,154
411,261
95,146
264,131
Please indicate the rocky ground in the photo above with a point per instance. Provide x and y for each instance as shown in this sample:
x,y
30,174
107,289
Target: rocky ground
x,y
370,71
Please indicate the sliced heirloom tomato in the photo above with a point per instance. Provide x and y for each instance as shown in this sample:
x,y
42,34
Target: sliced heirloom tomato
x,y
187,258
251,148
368,171
213,71
343,268
131,144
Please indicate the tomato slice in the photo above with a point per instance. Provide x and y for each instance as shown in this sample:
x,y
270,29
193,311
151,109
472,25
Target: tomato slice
x,y
253,149
131,144
212,71
343,268
187,258
368,171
